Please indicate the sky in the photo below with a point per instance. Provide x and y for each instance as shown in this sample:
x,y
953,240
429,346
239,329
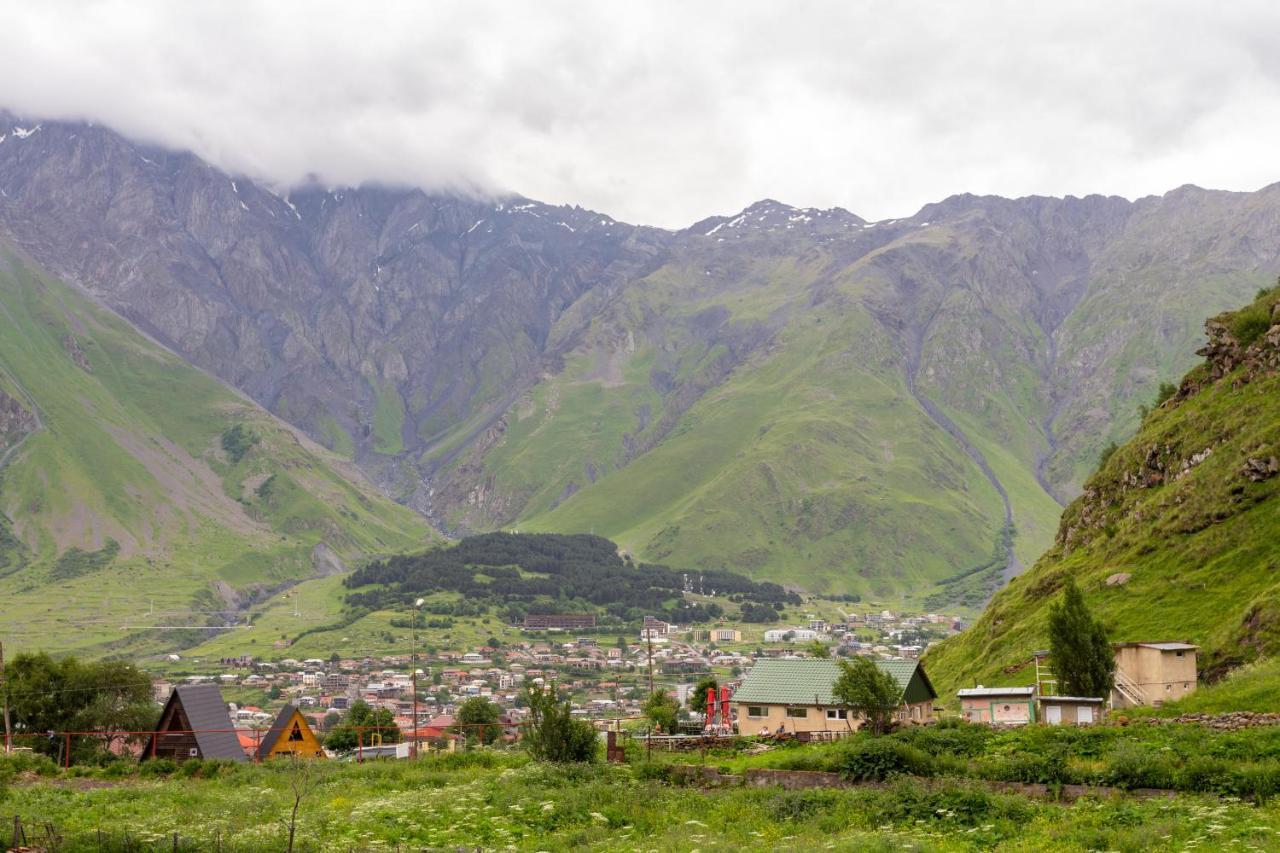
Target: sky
x,y
663,113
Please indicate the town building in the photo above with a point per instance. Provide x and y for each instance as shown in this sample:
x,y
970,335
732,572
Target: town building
x,y
794,695
1012,706
1071,710
1153,673
560,621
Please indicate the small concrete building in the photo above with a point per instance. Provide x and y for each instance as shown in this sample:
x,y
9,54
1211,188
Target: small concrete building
x,y
1153,673
1071,710
1008,706
794,696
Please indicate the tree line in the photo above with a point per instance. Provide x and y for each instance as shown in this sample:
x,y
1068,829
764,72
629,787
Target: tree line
x,y
549,572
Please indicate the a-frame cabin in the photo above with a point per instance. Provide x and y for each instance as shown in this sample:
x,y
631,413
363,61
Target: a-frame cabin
x,y
290,735
194,724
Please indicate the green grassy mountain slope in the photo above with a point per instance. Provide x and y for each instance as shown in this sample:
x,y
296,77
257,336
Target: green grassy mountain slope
x,y
1187,509
136,490
717,416
853,406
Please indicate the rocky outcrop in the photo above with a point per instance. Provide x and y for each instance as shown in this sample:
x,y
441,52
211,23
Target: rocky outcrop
x,y
72,346
16,423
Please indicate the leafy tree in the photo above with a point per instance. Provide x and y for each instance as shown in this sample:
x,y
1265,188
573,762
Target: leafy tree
x,y
493,643
663,710
360,725
866,689
1166,390
112,697
274,692
553,734
698,698
330,720
819,649
480,719
1082,656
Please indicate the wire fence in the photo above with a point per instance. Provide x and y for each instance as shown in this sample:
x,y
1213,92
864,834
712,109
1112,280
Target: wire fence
x,y
70,747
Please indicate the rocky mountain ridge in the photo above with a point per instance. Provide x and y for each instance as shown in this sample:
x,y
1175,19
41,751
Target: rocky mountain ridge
x,y
504,362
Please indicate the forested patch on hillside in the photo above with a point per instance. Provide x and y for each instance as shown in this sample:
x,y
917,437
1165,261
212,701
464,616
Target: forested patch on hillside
x,y
549,572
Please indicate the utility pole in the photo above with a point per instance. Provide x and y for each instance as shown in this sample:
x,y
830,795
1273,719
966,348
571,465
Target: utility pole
x,y
648,635
413,671
4,692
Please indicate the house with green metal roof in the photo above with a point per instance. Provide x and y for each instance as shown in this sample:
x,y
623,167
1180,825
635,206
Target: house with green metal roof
x,y
794,695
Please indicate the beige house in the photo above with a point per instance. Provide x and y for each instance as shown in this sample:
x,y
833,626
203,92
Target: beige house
x,y
726,635
1153,673
1008,706
1071,710
794,695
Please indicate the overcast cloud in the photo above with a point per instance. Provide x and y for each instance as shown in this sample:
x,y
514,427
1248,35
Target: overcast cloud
x,y
662,112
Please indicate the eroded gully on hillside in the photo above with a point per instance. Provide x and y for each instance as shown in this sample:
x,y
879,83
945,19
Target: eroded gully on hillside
x,y
1013,566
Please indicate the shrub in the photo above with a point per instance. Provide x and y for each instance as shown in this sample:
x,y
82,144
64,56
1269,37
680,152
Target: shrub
x,y
950,737
800,805
651,771
158,767
1208,775
910,802
1046,768
1258,782
876,759
1134,765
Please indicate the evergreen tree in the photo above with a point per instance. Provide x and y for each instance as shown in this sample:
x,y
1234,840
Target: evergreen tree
x,y
553,734
1082,656
698,697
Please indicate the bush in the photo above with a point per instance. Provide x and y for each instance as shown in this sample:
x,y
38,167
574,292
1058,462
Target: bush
x,y
158,767
950,737
651,771
1208,775
1048,768
1134,765
910,802
867,759
800,805
1258,782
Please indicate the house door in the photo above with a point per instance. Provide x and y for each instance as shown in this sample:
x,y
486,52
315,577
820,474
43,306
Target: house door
x,y
1053,714
1084,714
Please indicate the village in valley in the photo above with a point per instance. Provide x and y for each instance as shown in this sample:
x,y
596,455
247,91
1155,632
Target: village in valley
x,y
778,688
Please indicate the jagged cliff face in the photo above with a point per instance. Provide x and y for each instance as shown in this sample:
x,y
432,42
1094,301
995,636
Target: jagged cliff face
x,y
794,392
376,319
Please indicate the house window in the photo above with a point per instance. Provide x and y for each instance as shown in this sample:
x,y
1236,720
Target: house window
x,y
1179,654
757,711
837,714
797,712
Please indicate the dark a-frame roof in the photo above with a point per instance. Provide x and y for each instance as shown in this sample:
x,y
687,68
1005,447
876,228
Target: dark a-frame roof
x,y
210,724
277,729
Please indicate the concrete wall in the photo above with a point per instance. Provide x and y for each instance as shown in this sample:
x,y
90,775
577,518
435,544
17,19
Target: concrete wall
x,y
815,719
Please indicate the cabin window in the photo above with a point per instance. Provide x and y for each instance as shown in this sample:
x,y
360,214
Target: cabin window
x,y
837,714
797,712
1179,654
757,711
